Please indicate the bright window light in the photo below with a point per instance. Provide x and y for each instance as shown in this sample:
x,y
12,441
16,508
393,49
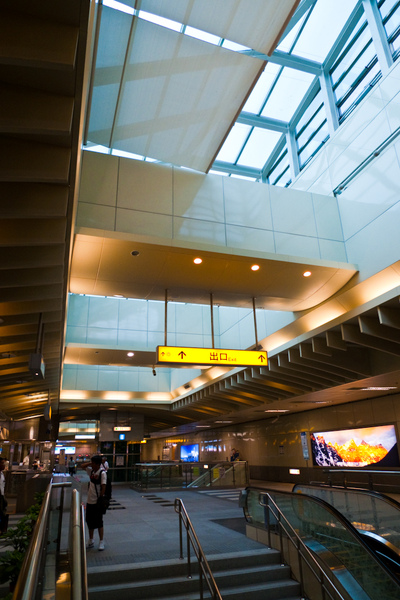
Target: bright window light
x,y
233,143
233,46
258,147
287,94
168,23
119,6
202,35
259,94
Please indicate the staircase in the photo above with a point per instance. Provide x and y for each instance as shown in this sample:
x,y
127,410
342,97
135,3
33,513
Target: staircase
x,y
254,575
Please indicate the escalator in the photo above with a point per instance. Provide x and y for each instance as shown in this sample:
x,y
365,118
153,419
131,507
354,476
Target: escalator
x,y
319,533
375,516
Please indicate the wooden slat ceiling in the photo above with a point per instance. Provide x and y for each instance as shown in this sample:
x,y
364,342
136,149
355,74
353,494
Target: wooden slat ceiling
x,y
42,53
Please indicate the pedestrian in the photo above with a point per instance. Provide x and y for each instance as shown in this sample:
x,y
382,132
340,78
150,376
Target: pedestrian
x,y
97,487
234,455
3,501
104,462
71,466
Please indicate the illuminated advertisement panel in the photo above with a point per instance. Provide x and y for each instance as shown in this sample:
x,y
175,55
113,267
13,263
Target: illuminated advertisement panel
x,y
190,453
361,447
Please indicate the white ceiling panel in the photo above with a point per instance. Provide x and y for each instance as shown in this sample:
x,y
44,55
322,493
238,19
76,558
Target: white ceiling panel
x,y
257,24
178,98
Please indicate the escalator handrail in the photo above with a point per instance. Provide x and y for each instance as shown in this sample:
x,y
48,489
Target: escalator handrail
x,y
363,491
357,537
304,552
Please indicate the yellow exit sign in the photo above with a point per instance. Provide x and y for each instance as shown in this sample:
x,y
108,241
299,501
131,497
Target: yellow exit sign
x,y
177,355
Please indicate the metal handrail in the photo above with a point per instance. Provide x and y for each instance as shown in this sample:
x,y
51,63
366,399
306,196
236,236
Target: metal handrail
x,y
191,538
369,472
78,559
29,575
33,564
302,551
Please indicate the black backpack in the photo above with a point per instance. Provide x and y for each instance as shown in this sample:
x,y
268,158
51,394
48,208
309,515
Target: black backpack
x,y
103,501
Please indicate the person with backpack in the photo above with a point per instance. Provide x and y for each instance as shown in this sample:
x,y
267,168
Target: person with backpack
x,y
96,499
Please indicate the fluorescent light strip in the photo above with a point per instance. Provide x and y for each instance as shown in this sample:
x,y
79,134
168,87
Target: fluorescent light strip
x,y
199,34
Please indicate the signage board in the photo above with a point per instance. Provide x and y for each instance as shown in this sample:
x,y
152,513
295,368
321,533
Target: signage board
x,y
178,355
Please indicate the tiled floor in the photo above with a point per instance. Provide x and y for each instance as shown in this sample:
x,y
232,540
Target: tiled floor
x,y
147,527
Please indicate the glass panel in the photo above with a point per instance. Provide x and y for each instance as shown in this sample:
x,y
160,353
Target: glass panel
x,y
314,143
234,142
258,147
279,168
355,70
329,538
287,94
365,510
390,12
326,21
262,88
286,44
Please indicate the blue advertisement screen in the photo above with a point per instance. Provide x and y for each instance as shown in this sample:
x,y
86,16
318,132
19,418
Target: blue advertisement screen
x,y
190,453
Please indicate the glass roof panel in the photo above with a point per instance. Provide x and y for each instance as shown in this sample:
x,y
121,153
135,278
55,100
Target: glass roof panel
x,y
233,46
258,148
287,94
288,41
257,97
202,35
160,20
233,143
322,28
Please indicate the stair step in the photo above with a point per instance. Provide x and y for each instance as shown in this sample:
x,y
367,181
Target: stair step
x,y
286,590
232,577
175,568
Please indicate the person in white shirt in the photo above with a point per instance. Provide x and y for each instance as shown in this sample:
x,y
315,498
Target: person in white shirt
x,y
105,463
25,462
96,489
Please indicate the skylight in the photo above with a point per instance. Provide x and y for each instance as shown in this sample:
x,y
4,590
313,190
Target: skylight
x,y
290,85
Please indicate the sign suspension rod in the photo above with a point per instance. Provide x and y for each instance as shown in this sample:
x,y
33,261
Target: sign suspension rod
x,y
165,317
255,322
212,321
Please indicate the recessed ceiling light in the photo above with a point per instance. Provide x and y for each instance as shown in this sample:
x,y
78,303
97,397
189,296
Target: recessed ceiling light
x,y
377,389
131,354
307,274
198,261
255,267
118,296
223,421
276,411
135,252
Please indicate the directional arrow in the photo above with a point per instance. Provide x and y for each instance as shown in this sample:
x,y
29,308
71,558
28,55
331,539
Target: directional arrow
x,y
182,354
261,357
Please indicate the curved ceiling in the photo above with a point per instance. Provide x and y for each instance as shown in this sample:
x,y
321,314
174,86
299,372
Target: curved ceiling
x,y
106,267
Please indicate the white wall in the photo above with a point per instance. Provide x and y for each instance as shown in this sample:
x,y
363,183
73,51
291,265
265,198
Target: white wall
x,y
168,203
370,207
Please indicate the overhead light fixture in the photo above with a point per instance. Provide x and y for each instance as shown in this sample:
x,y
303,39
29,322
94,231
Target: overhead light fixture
x,y
135,252
255,267
223,421
130,354
307,274
378,389
276,410
198,261
88,436
118,296
198,426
